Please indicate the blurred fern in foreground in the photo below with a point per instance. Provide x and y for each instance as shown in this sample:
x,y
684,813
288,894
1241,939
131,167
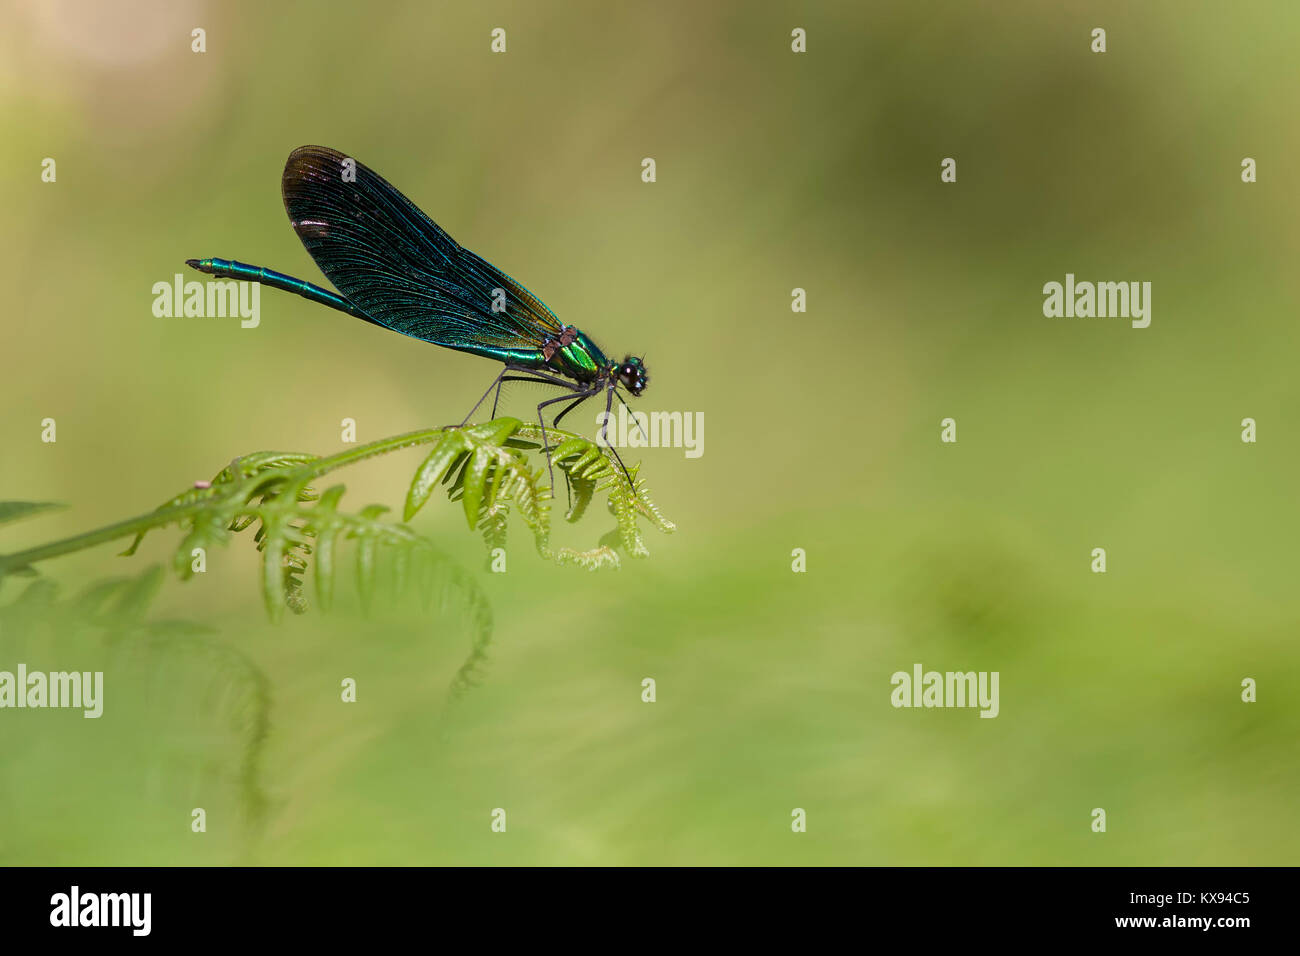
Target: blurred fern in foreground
x,y
200,710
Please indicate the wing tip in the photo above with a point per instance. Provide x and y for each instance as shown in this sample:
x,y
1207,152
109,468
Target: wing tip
x,y
314,152
306,160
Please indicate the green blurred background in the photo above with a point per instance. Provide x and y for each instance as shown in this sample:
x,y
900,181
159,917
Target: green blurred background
x,y
775,171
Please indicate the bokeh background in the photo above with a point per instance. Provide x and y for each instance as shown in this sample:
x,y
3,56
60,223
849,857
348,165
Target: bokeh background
x,y
775,171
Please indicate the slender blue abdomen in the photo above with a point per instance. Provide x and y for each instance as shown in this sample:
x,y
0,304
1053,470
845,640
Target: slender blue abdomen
x,y
230,269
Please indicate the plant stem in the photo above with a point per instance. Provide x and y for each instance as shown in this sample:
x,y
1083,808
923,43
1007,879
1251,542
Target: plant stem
x,y
121,529
374,449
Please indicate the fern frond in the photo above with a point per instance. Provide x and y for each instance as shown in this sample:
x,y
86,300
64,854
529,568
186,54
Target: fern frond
x,y
494,470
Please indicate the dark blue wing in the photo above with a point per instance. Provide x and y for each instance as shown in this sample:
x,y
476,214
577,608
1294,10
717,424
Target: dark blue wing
x,y
394,263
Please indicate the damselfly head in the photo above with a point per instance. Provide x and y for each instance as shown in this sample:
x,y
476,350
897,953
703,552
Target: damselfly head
x,y
631,374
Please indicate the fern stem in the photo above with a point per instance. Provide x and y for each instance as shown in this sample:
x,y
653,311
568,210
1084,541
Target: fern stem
x,y
89,539
374,449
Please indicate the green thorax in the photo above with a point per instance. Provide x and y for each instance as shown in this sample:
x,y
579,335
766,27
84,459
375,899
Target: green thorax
x,y
581,359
